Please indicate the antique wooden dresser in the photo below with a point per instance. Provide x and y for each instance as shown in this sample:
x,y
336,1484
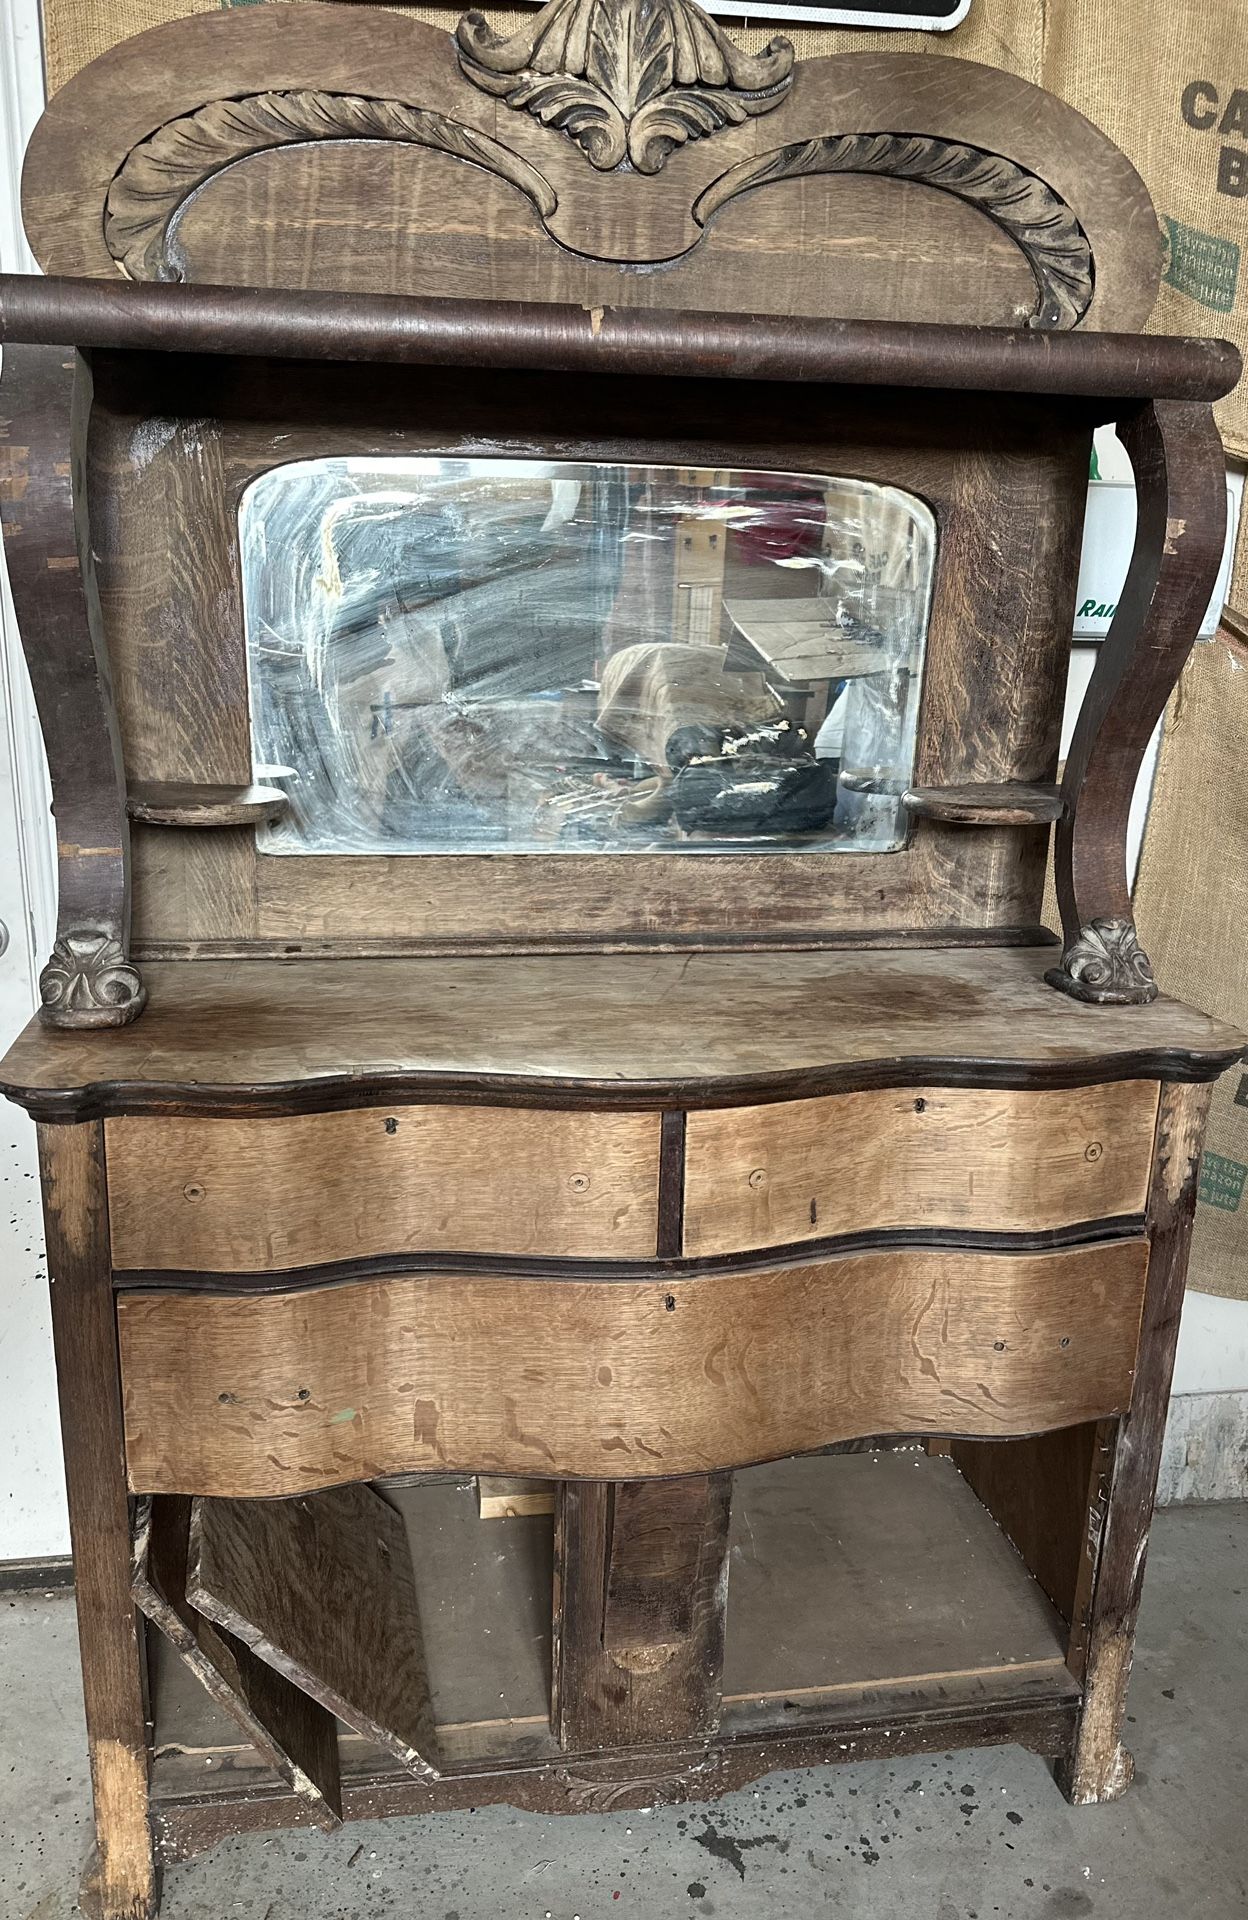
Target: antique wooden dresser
x,y
547,569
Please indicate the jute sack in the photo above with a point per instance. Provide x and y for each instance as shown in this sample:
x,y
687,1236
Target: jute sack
x,y
1191,907
1000,33
1168,82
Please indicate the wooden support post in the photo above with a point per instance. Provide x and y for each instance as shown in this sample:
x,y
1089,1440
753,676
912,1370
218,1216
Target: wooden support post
x,y
641,1576
1099,1768
71,1159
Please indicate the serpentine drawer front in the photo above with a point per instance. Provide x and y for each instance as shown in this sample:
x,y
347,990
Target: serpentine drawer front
x,y
278,1393
963,1158
257,1195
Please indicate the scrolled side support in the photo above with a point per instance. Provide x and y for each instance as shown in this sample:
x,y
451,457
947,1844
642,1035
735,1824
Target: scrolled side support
x,y
1177,456
89,979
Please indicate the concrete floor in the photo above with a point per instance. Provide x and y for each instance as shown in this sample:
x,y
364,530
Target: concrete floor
x,y
958,1837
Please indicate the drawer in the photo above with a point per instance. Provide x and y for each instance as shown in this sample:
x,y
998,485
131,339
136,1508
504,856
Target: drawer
x,y
279,1393
969,1158
256,1195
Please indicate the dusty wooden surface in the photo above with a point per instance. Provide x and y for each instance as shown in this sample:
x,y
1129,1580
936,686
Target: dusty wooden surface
x,y
691,1030
278,1393
233,1195
322,1589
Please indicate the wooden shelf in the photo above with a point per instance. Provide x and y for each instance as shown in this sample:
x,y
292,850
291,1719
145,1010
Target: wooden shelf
x,y
174,803
1006,803
865,1587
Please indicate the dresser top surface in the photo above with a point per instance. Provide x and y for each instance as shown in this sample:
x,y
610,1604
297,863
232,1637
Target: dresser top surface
x,y
634,1029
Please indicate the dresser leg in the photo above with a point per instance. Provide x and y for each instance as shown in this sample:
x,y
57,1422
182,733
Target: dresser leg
x,y
121,1883
1098,1766
640,1584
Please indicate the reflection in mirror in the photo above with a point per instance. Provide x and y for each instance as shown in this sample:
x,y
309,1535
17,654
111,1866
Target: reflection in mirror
x,y
456,656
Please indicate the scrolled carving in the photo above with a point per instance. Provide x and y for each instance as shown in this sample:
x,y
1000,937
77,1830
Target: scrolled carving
x,y
89,982
1106,964
158,176
1037,219
627,80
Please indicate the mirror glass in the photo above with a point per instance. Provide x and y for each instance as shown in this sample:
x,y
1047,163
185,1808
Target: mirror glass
x,y
510,656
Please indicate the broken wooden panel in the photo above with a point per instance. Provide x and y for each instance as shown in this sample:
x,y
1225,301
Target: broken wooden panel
x,y
511,1497
321,1588
292,1733
640,1592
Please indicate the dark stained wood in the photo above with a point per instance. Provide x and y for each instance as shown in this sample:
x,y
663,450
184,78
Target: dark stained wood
x,y
137,162
262,1395
1036,1489
635,1030
414,331
671,1233
290,1731
1099,1767
89,981
168,803
641,1580
322,1589
1180,479
1003,804
71,1164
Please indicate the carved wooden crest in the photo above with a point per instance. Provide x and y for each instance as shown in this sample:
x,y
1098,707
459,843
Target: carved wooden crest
x,y
628,80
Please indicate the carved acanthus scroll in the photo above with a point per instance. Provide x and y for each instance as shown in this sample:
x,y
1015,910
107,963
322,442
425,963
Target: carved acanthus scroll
x,y
159,175
1040,223
627,80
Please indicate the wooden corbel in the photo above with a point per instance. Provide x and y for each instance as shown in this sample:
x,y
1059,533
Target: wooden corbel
x,y
1180,481
89,980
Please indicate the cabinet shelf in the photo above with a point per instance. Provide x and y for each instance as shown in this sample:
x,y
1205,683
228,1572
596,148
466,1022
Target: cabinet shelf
x,y
177,803
1006,803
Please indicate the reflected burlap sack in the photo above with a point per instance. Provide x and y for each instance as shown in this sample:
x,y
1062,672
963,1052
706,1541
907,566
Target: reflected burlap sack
x,y
1168,82
1191,907
1000,33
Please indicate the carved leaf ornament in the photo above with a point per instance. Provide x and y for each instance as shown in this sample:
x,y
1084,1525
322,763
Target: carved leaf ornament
x,y
627,80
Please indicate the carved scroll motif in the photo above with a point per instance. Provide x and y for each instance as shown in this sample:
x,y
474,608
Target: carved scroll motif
x,y
627,80
1106,964
159,176
1039,222
90,981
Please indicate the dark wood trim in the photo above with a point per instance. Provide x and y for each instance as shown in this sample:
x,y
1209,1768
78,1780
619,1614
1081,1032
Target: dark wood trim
x,y
84,1329
52,1574
641,1777
89,980
1099,1767
567,339
68,1106
628,1272
1181,487
672,1185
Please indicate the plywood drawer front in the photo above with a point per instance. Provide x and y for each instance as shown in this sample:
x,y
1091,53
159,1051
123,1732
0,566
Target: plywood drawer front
x,y
278,1393
255,1195
970,1158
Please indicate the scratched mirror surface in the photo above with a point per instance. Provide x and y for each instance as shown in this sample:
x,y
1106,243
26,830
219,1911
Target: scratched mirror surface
x,y
510,656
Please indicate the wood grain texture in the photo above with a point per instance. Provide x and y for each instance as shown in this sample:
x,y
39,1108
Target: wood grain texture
x,y
1099,1767
322,1590
71,1165
249,1195
290,1731
169,803
1036,1489
1177,459
603,1031
280,1393
641,1584
914,1157
89,980
1003,804
626,217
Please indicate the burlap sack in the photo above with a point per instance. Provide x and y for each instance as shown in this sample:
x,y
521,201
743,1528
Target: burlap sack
x,y
1168,81
1001,33
1191,906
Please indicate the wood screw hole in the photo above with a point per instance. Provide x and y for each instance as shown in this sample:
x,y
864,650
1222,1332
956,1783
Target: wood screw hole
x,y
998,1346
1064,1341
304,1393
225,1399
1093,1150
669,1301
193,1191
392,1126
758,1178
579,1183
920,1106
